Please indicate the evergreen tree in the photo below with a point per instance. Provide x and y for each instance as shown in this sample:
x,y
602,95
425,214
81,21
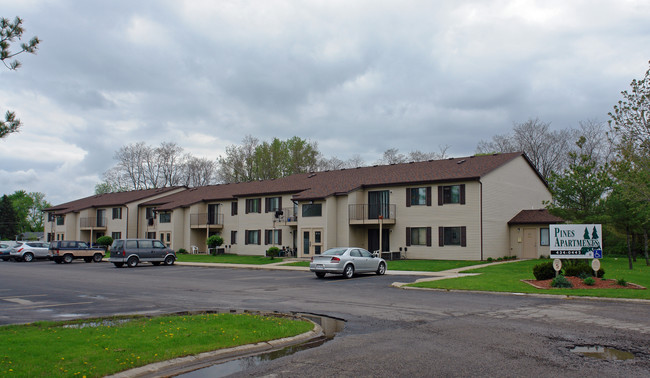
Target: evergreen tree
x,y
8,219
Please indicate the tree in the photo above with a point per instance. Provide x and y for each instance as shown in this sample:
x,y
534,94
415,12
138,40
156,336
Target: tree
x,y
9,33
547,150
199,172
28,208
8,219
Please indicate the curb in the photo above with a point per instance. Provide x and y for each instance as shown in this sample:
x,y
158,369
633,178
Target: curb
x,y
187,364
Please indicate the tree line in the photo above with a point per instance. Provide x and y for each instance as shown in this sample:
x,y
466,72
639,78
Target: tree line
x,y
21,212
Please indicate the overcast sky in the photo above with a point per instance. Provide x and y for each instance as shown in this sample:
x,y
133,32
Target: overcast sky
x,y
357,77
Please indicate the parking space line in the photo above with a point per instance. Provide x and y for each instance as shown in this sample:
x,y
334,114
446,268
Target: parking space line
x,y
50,305
24,296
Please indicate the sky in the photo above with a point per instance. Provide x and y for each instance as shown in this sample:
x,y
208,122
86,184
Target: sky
x,y
357,77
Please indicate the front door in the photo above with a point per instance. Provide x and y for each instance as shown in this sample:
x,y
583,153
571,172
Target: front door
x,y
373,240
530,244
312,241
213,210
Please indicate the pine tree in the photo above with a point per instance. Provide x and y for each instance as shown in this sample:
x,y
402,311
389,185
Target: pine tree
x,y
594,234
8,219
586,235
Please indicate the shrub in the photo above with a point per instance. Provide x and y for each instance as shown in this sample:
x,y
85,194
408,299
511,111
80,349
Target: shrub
x,y
105,241
273,252
621,281
589,281
182,251
600,273
214,241
577,268
490,259
544,271
561,281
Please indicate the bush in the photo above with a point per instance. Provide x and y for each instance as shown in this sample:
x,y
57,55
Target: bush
x,y
105,241
544,271
589,281
561,281
621,281
580,268
214,241
273,252
490,259
182,251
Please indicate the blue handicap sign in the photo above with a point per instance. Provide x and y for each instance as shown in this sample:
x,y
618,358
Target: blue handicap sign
x,y
598,254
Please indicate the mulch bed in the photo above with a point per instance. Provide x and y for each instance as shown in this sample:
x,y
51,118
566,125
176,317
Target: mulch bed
x,y
579,284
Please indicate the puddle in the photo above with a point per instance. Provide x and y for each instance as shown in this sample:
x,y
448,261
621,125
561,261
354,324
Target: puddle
x,y
603,353
330,326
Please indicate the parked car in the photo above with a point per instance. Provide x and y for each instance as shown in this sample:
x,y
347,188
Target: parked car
x,y
346,261
134,251
64,251
28,251
5,248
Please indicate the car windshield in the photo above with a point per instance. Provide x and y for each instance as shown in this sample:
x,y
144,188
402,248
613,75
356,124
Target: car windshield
x,y
335,251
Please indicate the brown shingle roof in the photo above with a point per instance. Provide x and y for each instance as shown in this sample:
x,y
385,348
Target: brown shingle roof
x,y
107,199
537,216
319,185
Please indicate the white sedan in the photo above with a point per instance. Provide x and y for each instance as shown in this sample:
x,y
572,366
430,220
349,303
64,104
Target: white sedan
x,y
346,261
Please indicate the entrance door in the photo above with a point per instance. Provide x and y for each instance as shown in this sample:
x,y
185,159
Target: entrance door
x,y
373,240
378,204
166,238
213,210
312,241
530,244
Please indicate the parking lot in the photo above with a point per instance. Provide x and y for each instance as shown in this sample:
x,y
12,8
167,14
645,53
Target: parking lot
x,y
388,331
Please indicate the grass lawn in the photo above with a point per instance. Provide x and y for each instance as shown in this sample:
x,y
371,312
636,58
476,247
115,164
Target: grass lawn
x,y
227,259
506,277
415,265
97,347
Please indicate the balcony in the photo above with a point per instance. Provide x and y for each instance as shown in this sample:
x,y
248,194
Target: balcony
x,y
371,213
205,220
92,223
289,217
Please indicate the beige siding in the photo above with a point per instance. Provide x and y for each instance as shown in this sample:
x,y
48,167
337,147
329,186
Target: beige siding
x,y
506,191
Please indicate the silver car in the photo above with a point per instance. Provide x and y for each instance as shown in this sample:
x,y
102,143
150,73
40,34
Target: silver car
x,y
346,261
5,249
28,251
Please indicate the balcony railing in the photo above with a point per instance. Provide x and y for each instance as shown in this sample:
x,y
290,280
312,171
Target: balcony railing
x,y
92,222
371,213
205,220
289,216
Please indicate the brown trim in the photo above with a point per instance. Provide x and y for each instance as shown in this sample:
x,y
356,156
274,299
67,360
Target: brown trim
x,y
428,196
462,194
408,236
441,236
440,195
463,236
408,197
428,236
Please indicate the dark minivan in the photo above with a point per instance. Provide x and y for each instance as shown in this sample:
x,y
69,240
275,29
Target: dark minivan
x,y
134,251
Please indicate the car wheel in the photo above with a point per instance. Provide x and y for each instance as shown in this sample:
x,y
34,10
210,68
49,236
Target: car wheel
x,y
118,265
320,274
132,262
88,259
67,258
169,260
28,257
348,272
381,269
97,257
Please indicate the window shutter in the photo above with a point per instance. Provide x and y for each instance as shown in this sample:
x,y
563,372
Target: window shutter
x,y
248,206
408,197
280,235
462,194
259,239
463,236
280,204
441,236
408,236
428,236
267,205
246,237
266,237
428,196
233,208
439,195
232,237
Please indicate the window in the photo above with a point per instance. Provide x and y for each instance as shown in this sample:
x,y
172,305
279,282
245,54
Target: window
x,y
150,212
452,236
544,236
101,218
252,237
312,210
418,196
253,205
60,220
418,236
165,217
273,204
117,213
273,237
151,235
233,237
451,194
116,235
51,217
233,208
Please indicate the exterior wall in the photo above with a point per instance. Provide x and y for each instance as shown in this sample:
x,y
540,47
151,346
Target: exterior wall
x,y
506,191
517,240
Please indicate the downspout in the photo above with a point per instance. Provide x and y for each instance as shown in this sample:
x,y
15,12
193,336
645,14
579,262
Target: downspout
x,y
126,231
481,214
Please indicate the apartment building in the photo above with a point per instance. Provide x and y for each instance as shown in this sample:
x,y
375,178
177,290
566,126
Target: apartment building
x,y
458,209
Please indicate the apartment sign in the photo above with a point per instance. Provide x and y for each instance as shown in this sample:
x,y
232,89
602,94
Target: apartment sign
x,y
576,241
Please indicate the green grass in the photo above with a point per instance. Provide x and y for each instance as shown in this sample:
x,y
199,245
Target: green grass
x,y
297,263
506,278
99,347
227,259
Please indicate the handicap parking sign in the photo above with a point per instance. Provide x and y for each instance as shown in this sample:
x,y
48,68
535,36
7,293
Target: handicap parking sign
x,y
598,254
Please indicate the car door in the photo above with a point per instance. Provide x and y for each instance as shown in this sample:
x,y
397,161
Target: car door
x,y
146,250
160,250
360,265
